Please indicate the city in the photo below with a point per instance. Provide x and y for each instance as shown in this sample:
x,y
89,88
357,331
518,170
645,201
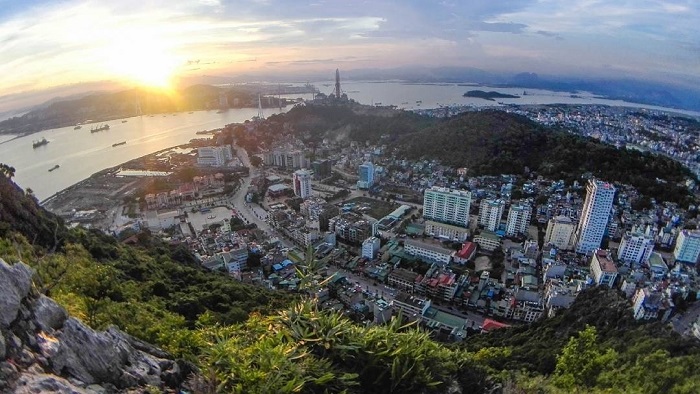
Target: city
x,y
215,196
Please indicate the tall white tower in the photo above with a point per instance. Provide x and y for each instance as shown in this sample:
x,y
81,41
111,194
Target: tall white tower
x,y
302,183
518,218
594,216
447,205
490,213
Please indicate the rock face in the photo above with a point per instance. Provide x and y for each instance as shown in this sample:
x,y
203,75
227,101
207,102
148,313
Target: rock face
x,y
42,349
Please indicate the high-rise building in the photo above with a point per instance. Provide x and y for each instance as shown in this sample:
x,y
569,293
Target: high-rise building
x,y
302,183
366,173
447,205
370,247
490,213
322,169
687,246
560,231
635,248
594,216
518,218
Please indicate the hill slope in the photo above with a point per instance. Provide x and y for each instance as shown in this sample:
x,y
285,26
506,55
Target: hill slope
x,y
496,142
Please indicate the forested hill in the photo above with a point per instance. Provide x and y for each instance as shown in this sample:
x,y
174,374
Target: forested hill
x,y
496,142
159,294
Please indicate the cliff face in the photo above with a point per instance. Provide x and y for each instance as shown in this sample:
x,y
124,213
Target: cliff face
x,y
42,349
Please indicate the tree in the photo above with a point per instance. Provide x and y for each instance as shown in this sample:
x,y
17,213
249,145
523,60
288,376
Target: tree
x,y
256,161
581,361
7,171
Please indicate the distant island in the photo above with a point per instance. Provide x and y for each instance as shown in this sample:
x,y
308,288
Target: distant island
x,y
488,95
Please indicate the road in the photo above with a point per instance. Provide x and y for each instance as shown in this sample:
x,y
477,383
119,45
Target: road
x,y
245,209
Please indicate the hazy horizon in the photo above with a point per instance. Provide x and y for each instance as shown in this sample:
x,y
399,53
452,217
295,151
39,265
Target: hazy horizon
x,y
51,48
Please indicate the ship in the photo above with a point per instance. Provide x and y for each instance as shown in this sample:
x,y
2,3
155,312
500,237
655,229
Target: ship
x,y
77,127
124,121
39,143
119,143
99,128
54,167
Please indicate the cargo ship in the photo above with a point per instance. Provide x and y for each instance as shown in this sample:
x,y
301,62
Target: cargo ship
x,y
39,143
99,128
119,143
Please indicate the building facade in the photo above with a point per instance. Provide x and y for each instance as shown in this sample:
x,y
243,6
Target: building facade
x,y
490,213
635,248
603,269
214,156
687,246
594,216
366,174
560,232
447,206
428,251
518,219
446,231
301,180
370,247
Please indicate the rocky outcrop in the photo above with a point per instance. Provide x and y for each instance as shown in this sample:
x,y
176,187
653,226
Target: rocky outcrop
x,y
42,349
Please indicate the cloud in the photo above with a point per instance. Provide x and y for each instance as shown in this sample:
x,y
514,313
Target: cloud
x,y
44,44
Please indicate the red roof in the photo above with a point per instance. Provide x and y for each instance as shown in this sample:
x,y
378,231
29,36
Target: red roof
x,y
490,325
468,248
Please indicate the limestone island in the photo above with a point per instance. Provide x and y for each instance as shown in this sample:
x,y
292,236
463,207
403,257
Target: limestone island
x,y
488,95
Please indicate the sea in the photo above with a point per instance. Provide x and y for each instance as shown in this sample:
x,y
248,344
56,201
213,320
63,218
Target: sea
x,y
80,153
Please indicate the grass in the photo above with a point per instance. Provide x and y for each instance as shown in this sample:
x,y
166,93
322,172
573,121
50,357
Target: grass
x,y
378,208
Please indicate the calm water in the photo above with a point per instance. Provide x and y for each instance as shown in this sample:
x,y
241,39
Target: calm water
x,y
406,95
81,153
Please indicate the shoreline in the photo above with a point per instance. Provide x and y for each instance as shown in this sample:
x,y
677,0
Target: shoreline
x,y
103,172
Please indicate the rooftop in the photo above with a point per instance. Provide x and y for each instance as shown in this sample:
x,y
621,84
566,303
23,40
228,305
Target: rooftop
x,y
604,261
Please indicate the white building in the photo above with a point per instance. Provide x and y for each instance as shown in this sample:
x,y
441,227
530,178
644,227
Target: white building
x,y
488,240
370,247
594,216
603,269
215,156
366,174
518,219
687,246
428,251
446,231
447,205
301,180
560,231
490,213
635,248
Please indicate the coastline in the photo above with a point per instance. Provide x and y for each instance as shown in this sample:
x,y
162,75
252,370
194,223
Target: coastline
x,y
106,171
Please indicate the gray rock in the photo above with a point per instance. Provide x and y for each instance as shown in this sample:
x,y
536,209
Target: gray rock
x,y
48,314
32,382
87,355
15,284
2,346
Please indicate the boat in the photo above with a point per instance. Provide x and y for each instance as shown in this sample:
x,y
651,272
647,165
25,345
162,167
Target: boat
x,y
119,143
124,121
99,128
39,143
77,127
54,167
419,101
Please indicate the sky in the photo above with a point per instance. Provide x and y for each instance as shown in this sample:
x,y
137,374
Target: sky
x,y
55,45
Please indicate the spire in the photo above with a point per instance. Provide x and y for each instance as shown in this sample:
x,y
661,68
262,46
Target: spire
x,y
337,83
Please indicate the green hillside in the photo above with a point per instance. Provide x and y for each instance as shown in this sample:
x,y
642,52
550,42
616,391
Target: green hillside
x,y
496,142
248,340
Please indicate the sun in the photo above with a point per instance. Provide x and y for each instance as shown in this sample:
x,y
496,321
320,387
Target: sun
x,y
145,62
